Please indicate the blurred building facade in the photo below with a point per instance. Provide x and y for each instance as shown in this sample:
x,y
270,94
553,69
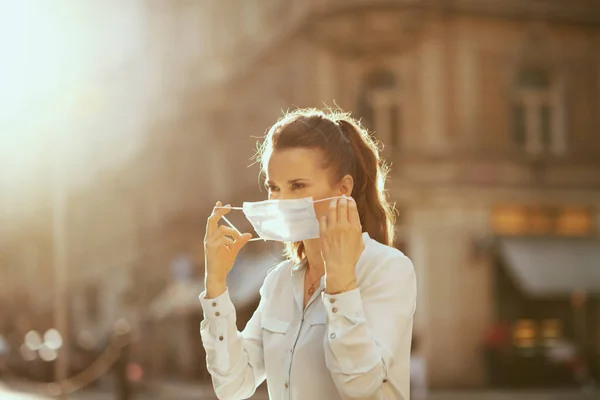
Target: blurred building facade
x,y
490,112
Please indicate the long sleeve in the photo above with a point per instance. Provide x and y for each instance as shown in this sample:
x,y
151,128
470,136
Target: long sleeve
x,y
369,329
235,360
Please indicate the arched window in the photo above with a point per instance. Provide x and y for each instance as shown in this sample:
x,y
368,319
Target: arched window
x,y
538,112
379,106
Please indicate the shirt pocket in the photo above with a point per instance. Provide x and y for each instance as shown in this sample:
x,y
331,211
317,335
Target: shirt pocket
x,y
275,341
274,325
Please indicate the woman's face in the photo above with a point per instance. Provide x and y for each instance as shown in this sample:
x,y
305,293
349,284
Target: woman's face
x,y
296,173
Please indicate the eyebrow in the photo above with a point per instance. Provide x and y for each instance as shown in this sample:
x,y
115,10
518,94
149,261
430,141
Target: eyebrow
x,y
291,181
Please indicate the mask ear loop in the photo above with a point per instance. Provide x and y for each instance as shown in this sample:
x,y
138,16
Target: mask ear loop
x,y
331,198
236,229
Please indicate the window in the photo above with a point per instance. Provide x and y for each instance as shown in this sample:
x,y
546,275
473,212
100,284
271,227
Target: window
x,y
551,332
525,335
543,220
380,108
575,221
537,112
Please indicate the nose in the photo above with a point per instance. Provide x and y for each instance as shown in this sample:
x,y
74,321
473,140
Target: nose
x,y
283,195
287,195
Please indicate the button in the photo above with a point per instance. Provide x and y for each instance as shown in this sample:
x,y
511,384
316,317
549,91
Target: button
x,y
332,336
384,380
221,338
286,385
332,300
214,304
217,314
334,310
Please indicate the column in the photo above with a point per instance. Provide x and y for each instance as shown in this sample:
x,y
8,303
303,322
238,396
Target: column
x,y
433,92
466,76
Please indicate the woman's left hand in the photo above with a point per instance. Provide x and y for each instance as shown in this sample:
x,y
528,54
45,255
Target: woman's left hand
x,y
341,244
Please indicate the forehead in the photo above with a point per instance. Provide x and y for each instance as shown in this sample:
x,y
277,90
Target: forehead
x,y
287,164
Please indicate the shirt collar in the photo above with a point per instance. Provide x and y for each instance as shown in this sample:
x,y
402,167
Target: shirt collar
x,y
298,267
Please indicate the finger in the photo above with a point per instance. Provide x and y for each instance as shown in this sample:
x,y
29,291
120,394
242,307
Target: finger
x,y
241,241
224,241
353,216
227,231
213,221
332,215
342,210
322,225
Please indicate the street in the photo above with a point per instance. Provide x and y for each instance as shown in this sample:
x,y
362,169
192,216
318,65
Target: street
x,y
174,391
157,391
510,395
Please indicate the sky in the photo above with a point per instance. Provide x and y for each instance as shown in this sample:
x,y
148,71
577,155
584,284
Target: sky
x,y
81,85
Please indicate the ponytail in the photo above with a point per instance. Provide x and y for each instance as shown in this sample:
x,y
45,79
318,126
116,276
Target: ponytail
x,y
370,173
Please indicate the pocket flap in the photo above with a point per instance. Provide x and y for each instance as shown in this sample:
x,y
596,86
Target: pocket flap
x,y
317,318
274,325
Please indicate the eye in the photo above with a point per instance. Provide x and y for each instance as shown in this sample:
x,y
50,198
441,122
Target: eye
x,y
298,186
271,188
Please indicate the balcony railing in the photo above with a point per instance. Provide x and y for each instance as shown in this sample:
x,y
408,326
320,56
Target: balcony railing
x,y
502,169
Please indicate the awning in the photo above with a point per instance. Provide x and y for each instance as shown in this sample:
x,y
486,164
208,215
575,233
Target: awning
x,y
553,266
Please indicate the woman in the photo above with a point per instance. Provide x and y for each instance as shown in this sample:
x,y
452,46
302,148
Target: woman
x,y
335,319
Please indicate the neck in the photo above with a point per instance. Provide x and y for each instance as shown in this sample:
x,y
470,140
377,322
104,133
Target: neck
x,y
312,249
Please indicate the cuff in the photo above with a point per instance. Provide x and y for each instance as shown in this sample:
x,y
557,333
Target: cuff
x,y
218,307
347,304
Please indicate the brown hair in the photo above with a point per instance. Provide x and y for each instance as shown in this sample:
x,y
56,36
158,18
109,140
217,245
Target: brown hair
x,y
348,149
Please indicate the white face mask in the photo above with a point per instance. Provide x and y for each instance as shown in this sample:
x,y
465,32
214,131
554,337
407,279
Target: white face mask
x,y
291,220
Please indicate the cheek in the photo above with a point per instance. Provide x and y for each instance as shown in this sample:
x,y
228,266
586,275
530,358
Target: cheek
x,y
321,208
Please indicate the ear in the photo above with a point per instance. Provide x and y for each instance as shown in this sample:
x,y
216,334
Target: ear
x,y
346,185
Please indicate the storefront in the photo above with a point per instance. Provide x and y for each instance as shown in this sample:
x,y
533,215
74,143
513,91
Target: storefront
x,y
547,294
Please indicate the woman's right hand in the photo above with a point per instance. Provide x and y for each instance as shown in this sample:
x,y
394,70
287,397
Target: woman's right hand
x,y
221,246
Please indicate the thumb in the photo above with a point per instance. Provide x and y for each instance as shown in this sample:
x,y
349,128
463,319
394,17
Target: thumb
x,y
241,242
